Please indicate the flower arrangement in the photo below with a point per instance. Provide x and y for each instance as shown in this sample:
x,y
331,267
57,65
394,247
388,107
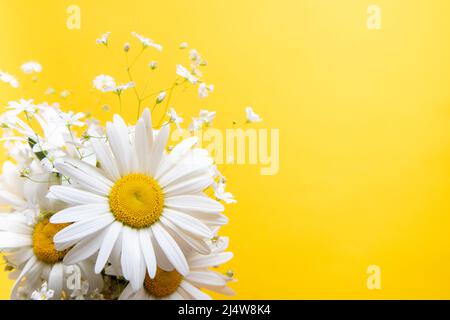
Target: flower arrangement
x,y
111,212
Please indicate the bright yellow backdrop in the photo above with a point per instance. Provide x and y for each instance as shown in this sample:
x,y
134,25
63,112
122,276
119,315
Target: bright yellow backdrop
x,y
364,119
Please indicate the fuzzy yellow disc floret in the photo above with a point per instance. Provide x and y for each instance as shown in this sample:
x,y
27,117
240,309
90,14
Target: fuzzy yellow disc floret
x,y
136,200
165,283
43,246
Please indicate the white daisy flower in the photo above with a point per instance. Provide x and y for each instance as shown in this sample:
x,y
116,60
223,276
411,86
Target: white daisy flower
x,y
251,115
104,83
186,74
103,40
142,207
146,42
10,79
22,106
27,243
204,89
171,285
174,118
31,67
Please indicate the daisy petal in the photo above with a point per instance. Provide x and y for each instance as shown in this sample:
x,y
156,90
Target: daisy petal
x,y
75,196
106,159
188,223
148,252
202,261
55,280
83,228
107,245
158,150
82,212
205,278
194,203
170,248
196,293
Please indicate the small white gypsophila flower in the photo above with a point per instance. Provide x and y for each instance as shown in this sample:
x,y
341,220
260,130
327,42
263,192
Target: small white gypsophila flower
x,y
50,91
122,87
186,74
80,293
195,125
161,96
43,294
173,117
204,89
10,79
251,115
146,42
207,116
64,94
221,194
31,67
103,40
153,65
183,45
22,105
104,83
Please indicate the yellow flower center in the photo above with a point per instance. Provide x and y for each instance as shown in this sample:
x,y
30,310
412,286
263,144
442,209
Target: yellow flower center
x,y
165,283
43,246
136,200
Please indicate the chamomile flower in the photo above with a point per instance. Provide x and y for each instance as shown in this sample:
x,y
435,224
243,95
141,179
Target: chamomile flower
x,y
146,42
251,115
143,207
31,67
26,234
171,285
186,74
10,79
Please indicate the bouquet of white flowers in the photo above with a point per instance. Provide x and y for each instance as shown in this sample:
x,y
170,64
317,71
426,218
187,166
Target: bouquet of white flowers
x,y
110,212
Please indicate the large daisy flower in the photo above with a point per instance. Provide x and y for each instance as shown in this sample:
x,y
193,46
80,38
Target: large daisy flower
x,y
171,285
141,206
26,236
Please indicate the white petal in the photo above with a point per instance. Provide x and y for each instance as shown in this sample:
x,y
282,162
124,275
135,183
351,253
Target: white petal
x,y
55,280
170,248
131,258
189,186
106,159
107,245
10,240
83,228
145,239
205,278
194,203
75,196
175,155
120,147
205,261
142,146
84,249
158,149
82,212
90,170
85,180
196,293
12,199
188,223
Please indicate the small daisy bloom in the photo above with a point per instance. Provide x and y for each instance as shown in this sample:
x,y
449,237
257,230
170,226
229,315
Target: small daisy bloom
x,y
26,235
22,106
171,285
173,117
141,206
31,67
104,83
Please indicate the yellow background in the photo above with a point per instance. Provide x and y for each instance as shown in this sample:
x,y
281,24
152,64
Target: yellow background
x,y
364,119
